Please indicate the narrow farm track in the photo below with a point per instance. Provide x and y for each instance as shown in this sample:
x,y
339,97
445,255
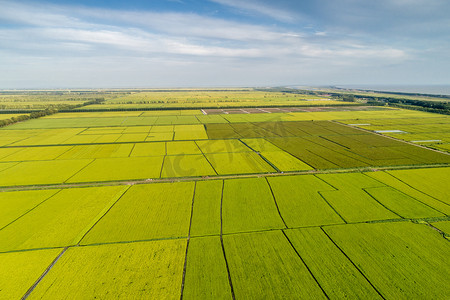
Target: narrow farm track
x,y
218,177
31,289
425,221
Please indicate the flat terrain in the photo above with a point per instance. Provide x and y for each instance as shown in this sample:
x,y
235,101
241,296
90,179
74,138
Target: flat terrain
x,y
231,202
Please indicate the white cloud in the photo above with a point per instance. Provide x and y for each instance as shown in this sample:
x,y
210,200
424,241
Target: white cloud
x,y
38,15
255,7
68,42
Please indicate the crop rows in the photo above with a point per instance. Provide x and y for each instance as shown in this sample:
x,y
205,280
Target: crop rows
x,y
180,204
430,132
58,218
133,239
254,148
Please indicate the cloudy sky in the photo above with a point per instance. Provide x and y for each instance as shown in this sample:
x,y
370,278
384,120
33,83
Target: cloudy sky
x,y
201,43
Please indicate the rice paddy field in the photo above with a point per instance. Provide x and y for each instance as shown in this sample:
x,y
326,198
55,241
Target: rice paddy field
x,y
331,202
212,99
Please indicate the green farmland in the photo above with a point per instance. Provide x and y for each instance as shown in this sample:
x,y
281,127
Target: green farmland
x,y
225,195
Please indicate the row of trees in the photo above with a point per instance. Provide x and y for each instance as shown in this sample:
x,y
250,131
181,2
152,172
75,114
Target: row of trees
x,y
48,111
33,115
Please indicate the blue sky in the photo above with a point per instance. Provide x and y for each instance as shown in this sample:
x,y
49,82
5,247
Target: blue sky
x,y
203,43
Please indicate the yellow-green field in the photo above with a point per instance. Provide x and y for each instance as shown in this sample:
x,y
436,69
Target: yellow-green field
x,y
225,204
171,99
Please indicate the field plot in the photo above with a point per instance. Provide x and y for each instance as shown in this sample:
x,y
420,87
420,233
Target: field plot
x,y
113,169
91,114
430,132
61,220
238,163
186,166
402,260
433,182
285,162
402,204
215,119
300,202
206,271
36,153
248,205
159,136
145,212
260,145
15,280
351,201
222,146
151,270
14,204
190,132
41,136
40,172
184,112
335,273
5,166
104,130
207,206
97,151
326,145
132,137
149,149
182,147
54,123
413,190
252,257
444,226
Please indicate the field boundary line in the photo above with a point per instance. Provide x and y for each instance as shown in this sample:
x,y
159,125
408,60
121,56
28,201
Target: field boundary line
x,y
93,159
359,270
162,166
187,243
326,182
376,200
334,142
332,207
401,192
31,289
318,156
444,235
99,216
416,221
426,204
15,163
339,151
415,188
304,263
132,148
105,211
262,156
214,169
28,211
223,246
276,203
70,148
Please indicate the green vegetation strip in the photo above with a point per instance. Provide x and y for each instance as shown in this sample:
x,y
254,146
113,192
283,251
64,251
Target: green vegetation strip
x,y
219,177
